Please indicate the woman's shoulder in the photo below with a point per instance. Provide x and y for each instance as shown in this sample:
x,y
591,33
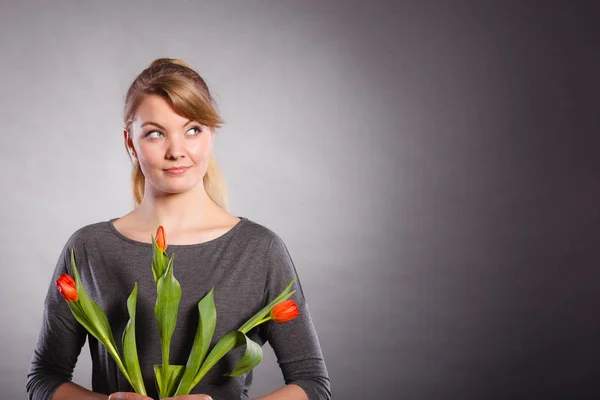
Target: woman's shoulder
x,y
257,230
91,232
266,239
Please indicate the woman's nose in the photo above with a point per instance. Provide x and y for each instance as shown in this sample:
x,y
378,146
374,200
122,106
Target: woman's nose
x,y
175,148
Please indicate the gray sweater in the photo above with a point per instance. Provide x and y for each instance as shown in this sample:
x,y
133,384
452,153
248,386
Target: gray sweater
x,y
248,266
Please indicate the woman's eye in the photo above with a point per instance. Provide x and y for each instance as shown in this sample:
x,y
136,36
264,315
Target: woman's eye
x,y
153,134
197,130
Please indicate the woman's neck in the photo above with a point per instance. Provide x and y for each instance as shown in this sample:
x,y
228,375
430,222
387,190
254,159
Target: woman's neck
x,y
178,211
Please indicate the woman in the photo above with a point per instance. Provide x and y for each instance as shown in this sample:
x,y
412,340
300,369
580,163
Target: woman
x,y
170,122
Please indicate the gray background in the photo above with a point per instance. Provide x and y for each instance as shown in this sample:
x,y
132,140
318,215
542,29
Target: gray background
x,y
432,168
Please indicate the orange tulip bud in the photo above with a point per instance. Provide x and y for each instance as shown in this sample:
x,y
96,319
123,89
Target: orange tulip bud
x,y
161,238
285,311
66,287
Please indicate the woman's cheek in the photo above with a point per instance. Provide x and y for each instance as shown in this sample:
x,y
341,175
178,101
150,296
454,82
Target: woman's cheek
x,y
202,149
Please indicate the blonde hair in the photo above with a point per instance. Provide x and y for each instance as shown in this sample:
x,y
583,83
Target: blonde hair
x,y
189,96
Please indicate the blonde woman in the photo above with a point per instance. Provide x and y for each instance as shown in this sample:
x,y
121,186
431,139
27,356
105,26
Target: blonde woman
x,y
169,130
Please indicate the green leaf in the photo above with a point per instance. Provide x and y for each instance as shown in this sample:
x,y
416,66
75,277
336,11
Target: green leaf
x,y
130,354
206,327
175,373
80,316
227,343
167,383
166,310
160,380
251,359
259,316
91,316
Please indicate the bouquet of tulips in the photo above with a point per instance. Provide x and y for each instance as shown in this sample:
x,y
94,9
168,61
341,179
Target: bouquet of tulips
x,y
172,380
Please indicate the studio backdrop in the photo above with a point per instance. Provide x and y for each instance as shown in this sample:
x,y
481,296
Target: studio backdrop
x,y
432,167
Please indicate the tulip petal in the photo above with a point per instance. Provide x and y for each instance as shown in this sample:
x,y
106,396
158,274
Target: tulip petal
x,y
161,238
66,287
285,311
204,333
130,355
159,261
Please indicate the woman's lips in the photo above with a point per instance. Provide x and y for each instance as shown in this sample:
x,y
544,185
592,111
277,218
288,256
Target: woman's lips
x,y
176,171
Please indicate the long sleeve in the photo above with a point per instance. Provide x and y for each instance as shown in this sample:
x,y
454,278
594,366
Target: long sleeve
x,y
295,343
59,343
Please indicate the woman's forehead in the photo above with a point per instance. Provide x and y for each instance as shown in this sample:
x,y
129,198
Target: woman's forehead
x,y
154,108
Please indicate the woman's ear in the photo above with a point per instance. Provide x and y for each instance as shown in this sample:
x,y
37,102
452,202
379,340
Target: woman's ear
x,y
128,143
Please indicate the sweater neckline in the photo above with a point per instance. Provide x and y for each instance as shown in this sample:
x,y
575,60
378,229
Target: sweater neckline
x,y
224,236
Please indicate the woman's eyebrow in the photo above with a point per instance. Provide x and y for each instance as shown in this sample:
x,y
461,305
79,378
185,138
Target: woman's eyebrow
x,y
162,127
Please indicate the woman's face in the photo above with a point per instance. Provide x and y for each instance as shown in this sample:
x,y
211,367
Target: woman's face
x,y
163,141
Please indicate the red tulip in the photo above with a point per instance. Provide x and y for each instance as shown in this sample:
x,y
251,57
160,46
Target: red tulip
x,y
161,238
66,287
285,311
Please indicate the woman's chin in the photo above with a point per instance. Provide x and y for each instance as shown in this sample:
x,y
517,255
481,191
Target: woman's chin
x,y
178,188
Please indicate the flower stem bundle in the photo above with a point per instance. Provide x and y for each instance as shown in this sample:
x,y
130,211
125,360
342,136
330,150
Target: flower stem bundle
x,y
172,380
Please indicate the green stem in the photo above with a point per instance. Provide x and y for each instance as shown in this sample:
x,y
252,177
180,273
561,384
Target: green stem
x,y
200,375
115,355
246,329
165,376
